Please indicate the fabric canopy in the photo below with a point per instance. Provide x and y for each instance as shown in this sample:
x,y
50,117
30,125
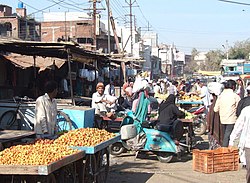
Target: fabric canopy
x,y
25,61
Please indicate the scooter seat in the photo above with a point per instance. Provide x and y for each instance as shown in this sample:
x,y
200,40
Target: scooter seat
x,y
163,127
175,130
149,124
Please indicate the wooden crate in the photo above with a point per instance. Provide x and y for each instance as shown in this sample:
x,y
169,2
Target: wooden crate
x,y
218,160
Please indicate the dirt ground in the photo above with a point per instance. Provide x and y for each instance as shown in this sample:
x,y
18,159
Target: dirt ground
x,y
147,169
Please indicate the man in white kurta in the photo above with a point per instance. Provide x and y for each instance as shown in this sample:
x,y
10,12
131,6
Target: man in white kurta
x,y
101,102
46,111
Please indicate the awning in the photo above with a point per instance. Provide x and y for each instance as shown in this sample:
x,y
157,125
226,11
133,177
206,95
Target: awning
x,y
24,61
210,73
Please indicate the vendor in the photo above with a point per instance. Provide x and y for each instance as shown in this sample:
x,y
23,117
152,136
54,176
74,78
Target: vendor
x,y
104,104
46,111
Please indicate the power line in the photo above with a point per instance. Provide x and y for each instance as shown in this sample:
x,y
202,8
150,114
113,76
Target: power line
x,y
41,10
235,2
69,4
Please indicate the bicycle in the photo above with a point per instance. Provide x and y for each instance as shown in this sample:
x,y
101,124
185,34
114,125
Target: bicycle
x,y
64,123
11,119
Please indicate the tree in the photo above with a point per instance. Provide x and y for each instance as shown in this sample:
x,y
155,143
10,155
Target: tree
x,y
212,61
191,66
240,50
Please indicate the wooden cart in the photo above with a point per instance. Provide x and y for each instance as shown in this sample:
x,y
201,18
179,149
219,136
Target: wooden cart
x,y
69,169
96,161
189,104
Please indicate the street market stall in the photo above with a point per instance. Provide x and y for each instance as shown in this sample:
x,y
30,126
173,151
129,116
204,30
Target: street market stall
x,y
187,104
41,161
95,143
87,161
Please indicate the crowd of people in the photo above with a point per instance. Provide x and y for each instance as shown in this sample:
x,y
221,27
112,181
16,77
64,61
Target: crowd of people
x,y
227,108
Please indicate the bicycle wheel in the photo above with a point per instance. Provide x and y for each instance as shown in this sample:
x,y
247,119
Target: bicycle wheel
x,y
8,121
64,122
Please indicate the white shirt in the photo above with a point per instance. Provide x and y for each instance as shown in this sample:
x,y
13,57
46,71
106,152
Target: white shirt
x,y
109,90
96,98
157,89
205,96
242,129
45,115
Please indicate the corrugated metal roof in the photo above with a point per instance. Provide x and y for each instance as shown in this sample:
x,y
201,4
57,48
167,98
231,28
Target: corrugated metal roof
x,y
56,50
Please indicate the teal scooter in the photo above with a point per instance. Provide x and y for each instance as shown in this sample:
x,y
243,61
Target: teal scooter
x,y
137,134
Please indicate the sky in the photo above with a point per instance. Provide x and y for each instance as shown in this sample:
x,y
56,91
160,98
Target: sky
x,y
202,24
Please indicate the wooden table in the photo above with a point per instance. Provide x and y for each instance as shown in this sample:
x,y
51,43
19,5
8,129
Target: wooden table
x,y
114,121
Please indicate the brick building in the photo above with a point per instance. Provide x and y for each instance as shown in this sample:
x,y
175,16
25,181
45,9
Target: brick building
x,y
76,26
18,25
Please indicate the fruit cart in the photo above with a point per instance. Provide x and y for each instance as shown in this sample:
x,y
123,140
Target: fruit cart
x,y
96,161
187,104
67,169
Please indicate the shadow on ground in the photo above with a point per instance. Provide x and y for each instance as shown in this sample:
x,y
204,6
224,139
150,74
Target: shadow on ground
x,y
128,177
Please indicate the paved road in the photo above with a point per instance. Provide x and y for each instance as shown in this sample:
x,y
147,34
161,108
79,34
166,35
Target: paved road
x,y
147,169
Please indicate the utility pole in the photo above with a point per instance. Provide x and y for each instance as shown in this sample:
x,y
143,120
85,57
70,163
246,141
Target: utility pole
x,y
108,6
111,20
65,26
226,48
171,58
94,24
130,3
94,20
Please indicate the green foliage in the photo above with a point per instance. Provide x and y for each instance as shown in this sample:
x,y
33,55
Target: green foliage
x,y
240,50
213,60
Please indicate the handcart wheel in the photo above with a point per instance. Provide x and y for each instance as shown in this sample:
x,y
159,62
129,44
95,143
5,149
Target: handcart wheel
x,y
90,167
67,173
51,178
44,178
102,165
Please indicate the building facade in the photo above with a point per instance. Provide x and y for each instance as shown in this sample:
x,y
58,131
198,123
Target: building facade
x,y
18,25
77,27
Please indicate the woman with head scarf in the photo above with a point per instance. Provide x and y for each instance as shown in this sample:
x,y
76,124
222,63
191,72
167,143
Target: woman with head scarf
x,y
168,111
168,117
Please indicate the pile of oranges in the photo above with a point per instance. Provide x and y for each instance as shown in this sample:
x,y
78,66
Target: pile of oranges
x,y
84,137
44,151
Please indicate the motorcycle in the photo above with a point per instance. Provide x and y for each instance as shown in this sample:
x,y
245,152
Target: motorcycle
x,y
199,120
144,136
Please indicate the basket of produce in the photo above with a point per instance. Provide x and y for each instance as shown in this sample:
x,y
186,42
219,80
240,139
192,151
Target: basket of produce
x,y
218,160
